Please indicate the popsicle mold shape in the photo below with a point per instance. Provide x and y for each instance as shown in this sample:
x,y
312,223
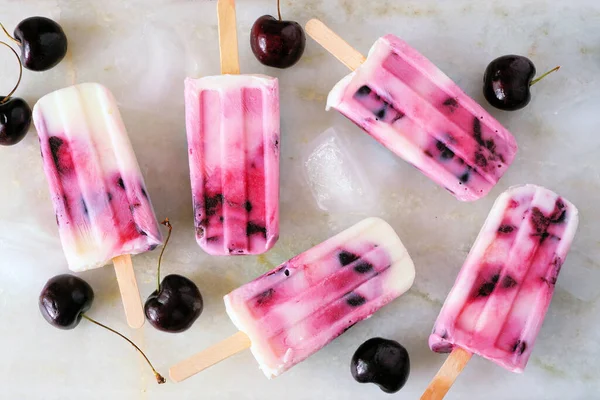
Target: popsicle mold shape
x,y
502,293
233,144
101,203
294,310
411,107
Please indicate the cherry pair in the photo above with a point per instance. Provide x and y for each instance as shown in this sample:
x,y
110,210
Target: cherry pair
x,y
43,44
173,307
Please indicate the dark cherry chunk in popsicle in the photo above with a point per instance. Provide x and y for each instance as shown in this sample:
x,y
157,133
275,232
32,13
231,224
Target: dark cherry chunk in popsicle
x,y
519,347
264,297
363,91
84,207
506,228
212,203
480,160
345,257
355,300
539,221
55,143
477,131
445,152
252,228
559,215
451,103
363,267
556,265
382,110
508,282
488,286
60,154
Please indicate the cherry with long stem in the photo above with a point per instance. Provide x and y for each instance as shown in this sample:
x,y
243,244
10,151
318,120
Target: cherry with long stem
x,y
7,97
159,378
275,42
170,227
539,78
176,303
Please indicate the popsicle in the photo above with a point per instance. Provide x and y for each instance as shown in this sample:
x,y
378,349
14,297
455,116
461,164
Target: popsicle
x,y
501,295
406,103
291,312
102,207
232,124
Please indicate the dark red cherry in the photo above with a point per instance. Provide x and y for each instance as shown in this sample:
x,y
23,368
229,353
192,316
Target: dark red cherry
x,y
382,362
175,305
43,43
507,81
64,299
15,119
277,43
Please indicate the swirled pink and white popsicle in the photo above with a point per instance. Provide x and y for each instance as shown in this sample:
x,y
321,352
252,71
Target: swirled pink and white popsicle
x,y
405,102
300,306
233,138
100,199
500,298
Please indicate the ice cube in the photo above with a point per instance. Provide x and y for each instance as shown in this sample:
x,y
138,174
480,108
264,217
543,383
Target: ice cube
x,y
337,180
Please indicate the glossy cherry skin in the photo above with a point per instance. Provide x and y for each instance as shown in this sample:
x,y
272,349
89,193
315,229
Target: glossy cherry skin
x,y
176,306
15,119
43,43
64,299
276,43
383,362
506,82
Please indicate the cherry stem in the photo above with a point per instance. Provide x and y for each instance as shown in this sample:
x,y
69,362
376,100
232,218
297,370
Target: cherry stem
x,y
168,225
7,97
8,34
536,80
159,378
278,10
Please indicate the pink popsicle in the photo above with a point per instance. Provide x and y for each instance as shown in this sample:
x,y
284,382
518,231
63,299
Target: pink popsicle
x,y
99,196
233,142
299,307
405,102
500,298
291,312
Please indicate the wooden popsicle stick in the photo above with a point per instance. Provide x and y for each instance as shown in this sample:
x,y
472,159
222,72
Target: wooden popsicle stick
x,y
130,294
228,45
209,357
334,44
444,379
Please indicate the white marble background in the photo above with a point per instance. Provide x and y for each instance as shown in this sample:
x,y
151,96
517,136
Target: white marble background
x,y
142,50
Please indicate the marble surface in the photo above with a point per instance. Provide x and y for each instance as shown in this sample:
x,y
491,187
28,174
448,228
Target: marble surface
x,y
143,49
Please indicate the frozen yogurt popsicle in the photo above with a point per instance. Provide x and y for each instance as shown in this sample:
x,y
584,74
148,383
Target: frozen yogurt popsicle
x,y
233,143
102,207
291,312
498,303
406,103
232,124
